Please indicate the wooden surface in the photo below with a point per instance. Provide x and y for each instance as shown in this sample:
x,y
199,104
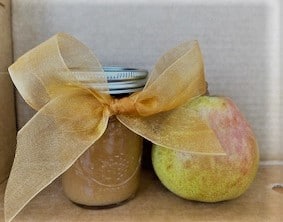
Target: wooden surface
x,y
155,203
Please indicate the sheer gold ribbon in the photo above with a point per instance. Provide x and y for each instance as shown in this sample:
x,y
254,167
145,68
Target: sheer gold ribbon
x,y
71,116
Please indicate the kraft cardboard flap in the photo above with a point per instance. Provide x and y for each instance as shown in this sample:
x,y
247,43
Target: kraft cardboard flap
x,y
7,125
5,35
7,106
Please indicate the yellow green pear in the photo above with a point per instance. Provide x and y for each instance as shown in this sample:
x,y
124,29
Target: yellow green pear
x,y
210,178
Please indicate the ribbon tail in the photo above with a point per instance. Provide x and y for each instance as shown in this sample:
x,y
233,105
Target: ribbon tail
x,y
47,147
181,129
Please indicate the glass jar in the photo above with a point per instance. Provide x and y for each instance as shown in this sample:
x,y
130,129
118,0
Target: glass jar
x,y
108,173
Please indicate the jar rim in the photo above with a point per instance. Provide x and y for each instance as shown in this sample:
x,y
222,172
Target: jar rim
x,y
117,73
121,80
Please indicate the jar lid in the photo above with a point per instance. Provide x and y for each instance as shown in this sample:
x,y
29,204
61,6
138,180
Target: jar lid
x,y
120,80
115,73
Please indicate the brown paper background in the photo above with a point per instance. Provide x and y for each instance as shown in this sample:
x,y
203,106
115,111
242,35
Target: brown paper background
x,y
7,109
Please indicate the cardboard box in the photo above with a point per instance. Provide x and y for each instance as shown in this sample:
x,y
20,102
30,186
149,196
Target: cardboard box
x,y
240,41
7,105
5,35
7,125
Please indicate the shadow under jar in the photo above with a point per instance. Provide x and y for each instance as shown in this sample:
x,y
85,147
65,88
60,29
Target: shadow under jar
x,y
108,173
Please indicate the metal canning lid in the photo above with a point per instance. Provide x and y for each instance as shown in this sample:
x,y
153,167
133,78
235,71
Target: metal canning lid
x,y
120,80
124,74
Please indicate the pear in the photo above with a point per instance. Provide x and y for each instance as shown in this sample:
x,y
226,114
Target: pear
x,y
211,178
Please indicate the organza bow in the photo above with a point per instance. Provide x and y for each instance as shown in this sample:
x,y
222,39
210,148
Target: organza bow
x,y
71,116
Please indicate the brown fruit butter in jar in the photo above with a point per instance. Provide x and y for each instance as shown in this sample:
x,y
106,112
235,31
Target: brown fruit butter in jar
x,y
108,173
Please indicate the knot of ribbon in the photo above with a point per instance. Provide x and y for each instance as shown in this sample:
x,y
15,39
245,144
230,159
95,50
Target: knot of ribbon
x,y
71,116
122,106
